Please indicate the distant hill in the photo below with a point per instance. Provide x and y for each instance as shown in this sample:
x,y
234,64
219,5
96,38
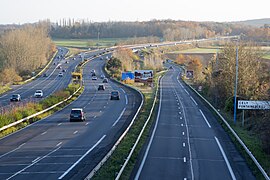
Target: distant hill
x,y
255,22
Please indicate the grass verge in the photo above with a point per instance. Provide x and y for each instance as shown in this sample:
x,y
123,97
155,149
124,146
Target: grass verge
x,y
112,166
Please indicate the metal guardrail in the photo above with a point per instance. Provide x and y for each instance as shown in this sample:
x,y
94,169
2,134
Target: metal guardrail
x,y
139,137
106,157
38,113
235,135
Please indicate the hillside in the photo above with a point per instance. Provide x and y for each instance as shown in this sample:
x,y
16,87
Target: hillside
x,y
255,22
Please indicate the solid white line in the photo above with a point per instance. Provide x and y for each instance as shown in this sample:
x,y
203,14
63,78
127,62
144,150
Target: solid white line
x,y
67,171
205,119
59,144
126,99
36,159
186,91
225,158
30,165
12,150
119,117
194,101
123,90
152,136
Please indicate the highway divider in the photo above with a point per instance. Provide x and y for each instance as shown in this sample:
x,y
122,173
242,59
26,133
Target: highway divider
x,y
233,133
140,135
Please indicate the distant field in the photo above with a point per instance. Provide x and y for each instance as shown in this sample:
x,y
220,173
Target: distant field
x,y
267,56
197,50
86,43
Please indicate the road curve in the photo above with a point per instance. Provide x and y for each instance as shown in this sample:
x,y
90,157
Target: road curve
x,y
55,148
187,142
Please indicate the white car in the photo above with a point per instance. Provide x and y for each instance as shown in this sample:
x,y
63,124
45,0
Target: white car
x,y
38,94
94,78
60,74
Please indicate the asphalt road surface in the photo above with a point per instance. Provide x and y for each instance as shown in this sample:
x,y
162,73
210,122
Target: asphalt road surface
x,y
187,142
55,148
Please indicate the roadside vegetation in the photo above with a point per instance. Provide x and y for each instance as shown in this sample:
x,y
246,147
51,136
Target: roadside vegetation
x,y
217,81
26,109
24,52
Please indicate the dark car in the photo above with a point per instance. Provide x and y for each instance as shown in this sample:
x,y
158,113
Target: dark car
x,y
15,97
101,87
45,75
115,95
77,114
105,80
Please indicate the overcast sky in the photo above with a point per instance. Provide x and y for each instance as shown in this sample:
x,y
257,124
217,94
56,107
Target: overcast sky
x,y
25,11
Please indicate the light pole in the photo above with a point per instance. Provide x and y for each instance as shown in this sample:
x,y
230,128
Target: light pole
x,y
236,82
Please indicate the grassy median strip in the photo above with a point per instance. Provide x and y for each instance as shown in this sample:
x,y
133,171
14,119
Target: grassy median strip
x,y
112,166
26,109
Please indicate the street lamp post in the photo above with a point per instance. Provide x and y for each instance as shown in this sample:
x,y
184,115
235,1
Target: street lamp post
x,y
236,82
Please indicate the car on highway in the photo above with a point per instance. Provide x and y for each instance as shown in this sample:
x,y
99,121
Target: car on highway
x,y
76,114
60,74
93,71
59,67
102,76
66,62
94,78
105,80
115,95
45,75
64,70
101,87
38,94
15,97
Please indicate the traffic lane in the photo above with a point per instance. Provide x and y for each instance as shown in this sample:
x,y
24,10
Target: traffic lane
x,y
28,90
204,148
16,88
51,139
49,142
112,135
201,136
167,157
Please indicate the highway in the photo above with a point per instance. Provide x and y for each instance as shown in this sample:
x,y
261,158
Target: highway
x,y
48,84
54,148
187,142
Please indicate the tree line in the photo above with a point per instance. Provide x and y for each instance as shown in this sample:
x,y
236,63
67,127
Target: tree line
x,y
163,29
24,50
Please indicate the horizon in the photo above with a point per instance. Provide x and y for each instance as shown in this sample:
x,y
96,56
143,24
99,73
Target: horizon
x,y
79,20
32,11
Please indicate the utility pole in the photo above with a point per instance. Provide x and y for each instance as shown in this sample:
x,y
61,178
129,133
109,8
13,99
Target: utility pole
x,y
236,82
